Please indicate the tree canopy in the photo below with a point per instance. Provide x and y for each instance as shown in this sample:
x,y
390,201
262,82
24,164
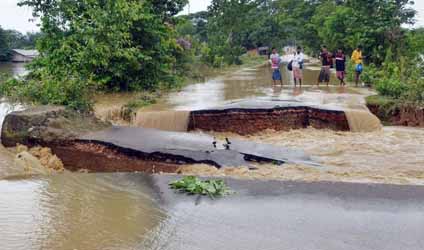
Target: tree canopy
x,y
117,44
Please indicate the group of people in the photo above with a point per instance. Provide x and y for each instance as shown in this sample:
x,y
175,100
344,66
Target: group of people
x,y
328,60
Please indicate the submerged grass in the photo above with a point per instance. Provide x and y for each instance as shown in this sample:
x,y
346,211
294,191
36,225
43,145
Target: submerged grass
x,y
193,185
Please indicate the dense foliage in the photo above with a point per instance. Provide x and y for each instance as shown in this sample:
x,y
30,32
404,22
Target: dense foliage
x,y
234,26
193,185
107,45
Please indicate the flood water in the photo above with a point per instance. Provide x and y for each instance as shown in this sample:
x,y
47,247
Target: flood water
x,y
14,69
369,153
128,211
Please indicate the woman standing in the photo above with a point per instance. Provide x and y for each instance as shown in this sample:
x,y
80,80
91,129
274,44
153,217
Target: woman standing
x,y
297,65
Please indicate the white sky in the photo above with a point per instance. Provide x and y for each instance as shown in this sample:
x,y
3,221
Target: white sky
x,y
14,17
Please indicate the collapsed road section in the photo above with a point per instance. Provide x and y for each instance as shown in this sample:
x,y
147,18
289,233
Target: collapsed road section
x,y
83,142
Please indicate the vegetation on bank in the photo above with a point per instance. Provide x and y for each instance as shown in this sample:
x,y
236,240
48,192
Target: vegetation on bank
x,y
128,45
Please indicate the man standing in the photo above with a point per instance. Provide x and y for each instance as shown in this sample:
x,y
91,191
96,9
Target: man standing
x,y
357,60
275,65
297,65
327,61
341,66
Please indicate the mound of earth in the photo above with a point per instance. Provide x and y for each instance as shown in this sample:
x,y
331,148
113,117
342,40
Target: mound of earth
x,y
38,160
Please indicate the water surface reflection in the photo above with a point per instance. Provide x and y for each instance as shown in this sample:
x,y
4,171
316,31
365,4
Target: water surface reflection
x,y
77,211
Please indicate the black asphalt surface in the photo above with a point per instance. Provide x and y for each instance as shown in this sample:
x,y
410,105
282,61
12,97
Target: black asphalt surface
x,y
293,216
195,148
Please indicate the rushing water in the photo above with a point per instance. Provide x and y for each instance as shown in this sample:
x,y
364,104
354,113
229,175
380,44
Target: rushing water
x,y
123,211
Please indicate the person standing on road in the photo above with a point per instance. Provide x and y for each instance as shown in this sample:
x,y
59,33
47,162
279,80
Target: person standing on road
x,y
327,61
297,65
357,60
275,61
340,59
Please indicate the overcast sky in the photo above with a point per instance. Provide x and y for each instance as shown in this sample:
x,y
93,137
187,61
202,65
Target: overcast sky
x,y
14,17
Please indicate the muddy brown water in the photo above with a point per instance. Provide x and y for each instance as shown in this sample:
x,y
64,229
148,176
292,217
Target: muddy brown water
x,y
369,153
129,211
14,69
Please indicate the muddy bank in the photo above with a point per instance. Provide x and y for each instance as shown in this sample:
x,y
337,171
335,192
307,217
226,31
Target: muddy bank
x,y
398,115
251,121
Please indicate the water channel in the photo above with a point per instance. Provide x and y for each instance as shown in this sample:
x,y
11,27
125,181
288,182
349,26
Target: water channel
x,y
77,211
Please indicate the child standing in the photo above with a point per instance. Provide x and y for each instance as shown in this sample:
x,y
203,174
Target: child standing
x,y
340,66
275,65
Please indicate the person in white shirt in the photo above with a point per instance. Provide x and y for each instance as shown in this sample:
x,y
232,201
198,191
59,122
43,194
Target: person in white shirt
x,y
297,65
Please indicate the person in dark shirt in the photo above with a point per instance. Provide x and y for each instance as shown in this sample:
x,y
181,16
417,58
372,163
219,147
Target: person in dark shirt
x,y
340,59
327,61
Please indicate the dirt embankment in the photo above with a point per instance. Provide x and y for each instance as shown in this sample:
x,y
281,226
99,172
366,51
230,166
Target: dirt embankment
x,y
392,112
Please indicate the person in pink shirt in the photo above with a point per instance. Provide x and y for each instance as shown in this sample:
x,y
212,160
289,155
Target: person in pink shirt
x,y
275,60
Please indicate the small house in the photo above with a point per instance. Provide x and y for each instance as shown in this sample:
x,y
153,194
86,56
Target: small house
x,y
263,51
22,55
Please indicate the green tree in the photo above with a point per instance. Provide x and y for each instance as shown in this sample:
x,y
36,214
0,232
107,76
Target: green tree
x,y
120,44
377,25
4,46
100,44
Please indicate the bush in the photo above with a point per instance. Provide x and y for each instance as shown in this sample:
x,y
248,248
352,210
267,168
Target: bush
x,y
70,92
371,75
415,92
391,87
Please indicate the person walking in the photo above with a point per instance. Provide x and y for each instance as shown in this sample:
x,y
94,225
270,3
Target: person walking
x,y
340,59
327,61
297,65
357,60
275,60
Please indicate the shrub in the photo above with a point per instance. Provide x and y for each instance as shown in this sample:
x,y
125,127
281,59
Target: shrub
x,y
71,92
415,92
391,87
371,74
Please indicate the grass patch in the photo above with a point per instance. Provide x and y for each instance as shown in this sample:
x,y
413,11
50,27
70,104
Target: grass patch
x,y
380,100
144,99
193,185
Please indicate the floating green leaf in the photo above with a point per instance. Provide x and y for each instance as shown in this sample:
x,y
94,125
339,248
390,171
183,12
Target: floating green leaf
x,y
193,185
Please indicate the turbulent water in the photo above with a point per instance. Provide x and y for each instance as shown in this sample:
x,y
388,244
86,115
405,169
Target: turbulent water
x,y
122,211
393,155
164,120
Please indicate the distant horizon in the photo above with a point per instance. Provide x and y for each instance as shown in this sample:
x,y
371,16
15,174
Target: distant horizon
x,y
17,18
